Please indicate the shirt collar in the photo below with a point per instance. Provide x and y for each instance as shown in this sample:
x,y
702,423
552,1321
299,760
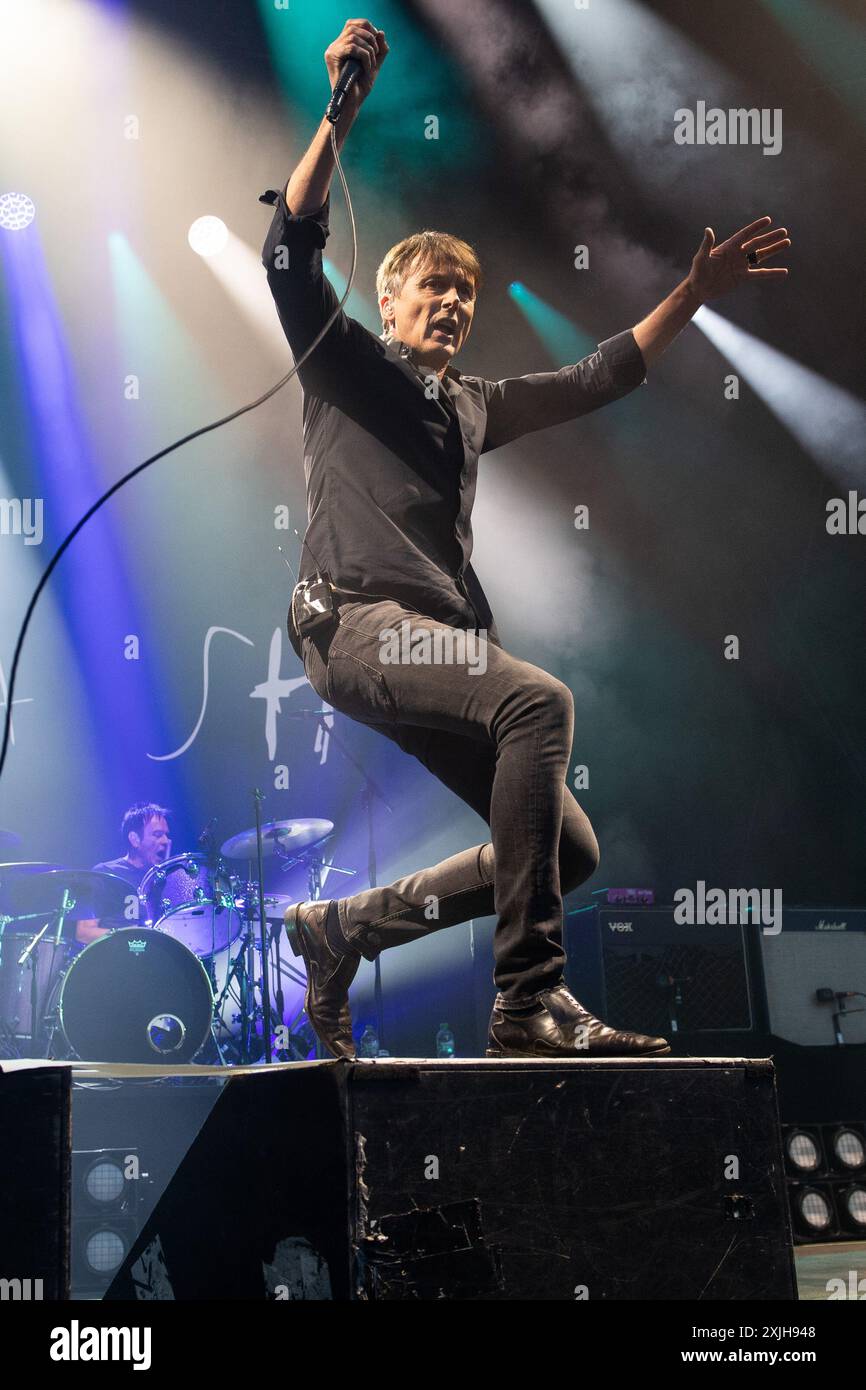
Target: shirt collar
x,y
450,377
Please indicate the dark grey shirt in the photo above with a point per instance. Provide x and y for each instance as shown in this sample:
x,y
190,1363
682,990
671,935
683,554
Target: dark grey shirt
x,y
123,869
390,452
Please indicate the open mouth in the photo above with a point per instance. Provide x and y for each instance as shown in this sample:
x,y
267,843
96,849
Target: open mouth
x,y
448,328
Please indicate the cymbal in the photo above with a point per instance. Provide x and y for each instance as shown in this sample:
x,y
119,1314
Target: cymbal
x,y
287,835
13,878
275,904
27,866
96,894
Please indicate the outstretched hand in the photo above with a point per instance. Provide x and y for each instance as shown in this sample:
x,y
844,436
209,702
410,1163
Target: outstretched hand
x,y
718,269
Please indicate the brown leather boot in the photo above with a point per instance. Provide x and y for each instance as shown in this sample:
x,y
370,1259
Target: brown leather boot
x,y
329,975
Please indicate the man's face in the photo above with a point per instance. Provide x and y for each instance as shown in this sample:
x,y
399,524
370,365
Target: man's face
x,y
432,313
152,846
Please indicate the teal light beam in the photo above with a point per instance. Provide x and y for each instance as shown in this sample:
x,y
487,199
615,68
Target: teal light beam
x,y
418,82
565,342
357,306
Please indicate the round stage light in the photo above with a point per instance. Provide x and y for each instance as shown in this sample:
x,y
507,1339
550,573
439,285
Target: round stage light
x,y
104,1251
849,1149
814,1210
208,236
803,1151
17,211
104,1181
855,1206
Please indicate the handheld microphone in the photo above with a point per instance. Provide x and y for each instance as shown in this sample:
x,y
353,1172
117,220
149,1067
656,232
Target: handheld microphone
x,y
349,75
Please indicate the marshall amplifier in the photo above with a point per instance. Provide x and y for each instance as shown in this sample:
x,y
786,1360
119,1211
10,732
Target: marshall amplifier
x,y
639,969
815,975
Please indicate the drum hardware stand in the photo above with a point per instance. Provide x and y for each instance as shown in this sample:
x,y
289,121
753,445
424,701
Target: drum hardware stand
x,y
8,1044
217,866
26,958
258,798
242,973
216,1042
244,965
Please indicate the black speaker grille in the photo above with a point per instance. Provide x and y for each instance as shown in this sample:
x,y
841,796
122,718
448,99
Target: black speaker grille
x,y
651,978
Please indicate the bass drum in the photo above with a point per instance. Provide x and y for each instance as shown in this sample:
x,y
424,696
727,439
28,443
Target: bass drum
x,y
136,995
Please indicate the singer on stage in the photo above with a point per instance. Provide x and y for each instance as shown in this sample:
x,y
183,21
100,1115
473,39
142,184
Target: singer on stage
x,y
392,436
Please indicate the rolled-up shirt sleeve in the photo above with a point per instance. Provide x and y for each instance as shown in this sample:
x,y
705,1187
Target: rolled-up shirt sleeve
x,y
519,405
304,296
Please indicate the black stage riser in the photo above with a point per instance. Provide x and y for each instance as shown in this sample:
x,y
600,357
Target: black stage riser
x,y
35,1149
654,1179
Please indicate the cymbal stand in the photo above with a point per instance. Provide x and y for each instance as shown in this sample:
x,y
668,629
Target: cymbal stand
x,y
243,978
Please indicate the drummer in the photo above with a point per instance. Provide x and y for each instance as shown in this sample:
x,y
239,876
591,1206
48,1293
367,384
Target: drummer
x,y
145,833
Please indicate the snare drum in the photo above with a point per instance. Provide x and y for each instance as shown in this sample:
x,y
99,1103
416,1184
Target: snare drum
x,y
136,995
190,900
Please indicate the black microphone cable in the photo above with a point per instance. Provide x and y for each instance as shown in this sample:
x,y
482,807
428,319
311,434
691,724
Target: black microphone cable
x,y
154,458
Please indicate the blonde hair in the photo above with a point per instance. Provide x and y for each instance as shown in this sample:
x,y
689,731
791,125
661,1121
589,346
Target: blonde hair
x,y
441,250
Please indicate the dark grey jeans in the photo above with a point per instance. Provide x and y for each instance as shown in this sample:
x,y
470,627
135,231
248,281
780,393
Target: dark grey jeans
x,y
501,740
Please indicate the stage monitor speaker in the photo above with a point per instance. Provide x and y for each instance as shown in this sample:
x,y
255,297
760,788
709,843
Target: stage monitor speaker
x,y
817,949
617,1179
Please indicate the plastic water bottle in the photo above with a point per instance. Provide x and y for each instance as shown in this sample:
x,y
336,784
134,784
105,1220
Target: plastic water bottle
x,y
444,1041
369,1043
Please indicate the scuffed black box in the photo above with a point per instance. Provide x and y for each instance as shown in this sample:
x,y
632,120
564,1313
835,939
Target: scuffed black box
x,y
35,1149
651,1179
657,1178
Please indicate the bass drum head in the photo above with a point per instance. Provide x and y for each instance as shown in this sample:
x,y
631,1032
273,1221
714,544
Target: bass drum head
x,y
136,996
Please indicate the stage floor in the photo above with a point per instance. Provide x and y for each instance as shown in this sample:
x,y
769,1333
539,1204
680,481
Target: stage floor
x,y
817,1264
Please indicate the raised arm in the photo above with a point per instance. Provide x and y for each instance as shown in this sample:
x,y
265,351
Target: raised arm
x,y
308,186
715,270
292,253
521,404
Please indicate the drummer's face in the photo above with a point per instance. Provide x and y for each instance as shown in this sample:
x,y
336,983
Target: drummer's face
x,y
154,845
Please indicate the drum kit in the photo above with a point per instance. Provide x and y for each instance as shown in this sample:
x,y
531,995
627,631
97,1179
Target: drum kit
x,y
182,979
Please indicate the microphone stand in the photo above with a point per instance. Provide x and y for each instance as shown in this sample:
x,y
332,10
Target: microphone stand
x,y
258,797
842,1013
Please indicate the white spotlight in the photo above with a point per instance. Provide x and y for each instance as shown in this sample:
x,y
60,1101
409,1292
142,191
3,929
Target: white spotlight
x,y
825,419
17,211
208,236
